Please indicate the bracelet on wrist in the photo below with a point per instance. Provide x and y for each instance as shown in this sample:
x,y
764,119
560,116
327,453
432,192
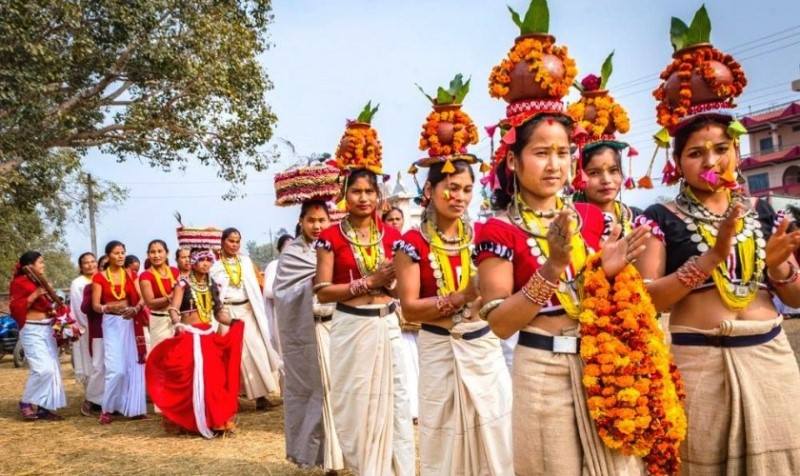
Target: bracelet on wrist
x,y
690,275
539,290
319,286
779,283
446,305
359,287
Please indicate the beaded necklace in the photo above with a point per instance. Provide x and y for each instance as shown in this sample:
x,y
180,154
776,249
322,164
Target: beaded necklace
x,y
235,277
439,258
367,255
122,295
201,294
531,222
624,217
735,296
159,283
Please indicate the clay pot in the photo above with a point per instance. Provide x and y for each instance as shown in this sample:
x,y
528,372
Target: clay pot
x,y
701,91
445,131
523,81
590,111
344,144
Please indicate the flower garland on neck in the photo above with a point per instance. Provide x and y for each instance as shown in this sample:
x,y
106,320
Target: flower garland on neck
x,y
531,222
201,294
235,277
157,274
753,262
122,295
368,255
440,263
635,392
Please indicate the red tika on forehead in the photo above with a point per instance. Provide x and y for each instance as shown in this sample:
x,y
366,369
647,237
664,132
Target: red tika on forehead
x,y
550,121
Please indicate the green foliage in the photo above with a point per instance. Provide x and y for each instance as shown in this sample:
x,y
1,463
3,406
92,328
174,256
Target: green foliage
x,y
537,18
264,253
606,70
368,113
455,93
161,80
699,31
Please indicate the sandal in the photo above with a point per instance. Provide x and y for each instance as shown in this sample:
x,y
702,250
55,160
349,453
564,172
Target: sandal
x,y
45,414
105,418
27,411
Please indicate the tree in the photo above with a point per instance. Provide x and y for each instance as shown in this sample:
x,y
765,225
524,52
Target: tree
x,y
163,80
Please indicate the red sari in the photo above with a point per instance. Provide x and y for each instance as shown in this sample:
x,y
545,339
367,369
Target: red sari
x,y
171,381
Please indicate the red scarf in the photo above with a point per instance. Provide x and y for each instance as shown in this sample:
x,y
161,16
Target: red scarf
x,y
20,288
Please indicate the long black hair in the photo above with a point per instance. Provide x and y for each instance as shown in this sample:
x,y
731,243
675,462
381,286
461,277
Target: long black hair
x,y
502,196
27,258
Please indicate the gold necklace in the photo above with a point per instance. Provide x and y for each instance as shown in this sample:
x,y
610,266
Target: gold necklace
x,y
122,295
201,294
235,277
157,274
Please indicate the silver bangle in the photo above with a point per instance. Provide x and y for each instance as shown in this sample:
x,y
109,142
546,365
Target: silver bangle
x,y
319,286
488,308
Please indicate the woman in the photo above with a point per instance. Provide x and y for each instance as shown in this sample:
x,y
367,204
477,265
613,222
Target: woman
x,y
410,330
241,294
269,296
520,269
193,377
465,389
394,217
602,165
157,283
33,310
115,297
81,355
304,327
355,270
183,262
132,265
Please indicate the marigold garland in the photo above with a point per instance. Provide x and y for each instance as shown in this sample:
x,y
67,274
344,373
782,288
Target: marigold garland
x,y
363,149
685,65
464,133
635,392
608,112
532,50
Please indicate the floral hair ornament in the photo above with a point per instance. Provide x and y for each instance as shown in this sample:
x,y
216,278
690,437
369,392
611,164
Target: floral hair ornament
x,y
533,77
204,255
598,118
447,131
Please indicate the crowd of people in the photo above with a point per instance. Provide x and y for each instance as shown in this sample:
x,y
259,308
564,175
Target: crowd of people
x,y
526,343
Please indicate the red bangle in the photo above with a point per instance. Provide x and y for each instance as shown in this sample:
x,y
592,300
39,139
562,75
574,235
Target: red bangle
x,y
446,306
690,275
538,289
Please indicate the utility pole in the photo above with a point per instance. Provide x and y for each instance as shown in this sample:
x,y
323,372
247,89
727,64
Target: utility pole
x,y
90,203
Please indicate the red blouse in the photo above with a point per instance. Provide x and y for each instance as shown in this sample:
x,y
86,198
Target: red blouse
x,y
497,238
107,296
19,289
414,245
149,276
345,268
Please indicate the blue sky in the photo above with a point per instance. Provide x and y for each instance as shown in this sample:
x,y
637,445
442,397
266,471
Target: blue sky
x,y
329,58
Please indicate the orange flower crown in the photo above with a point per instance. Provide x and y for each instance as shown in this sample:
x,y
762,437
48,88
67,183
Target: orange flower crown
x,y
700,79
359,147
533,78
635,392
598,117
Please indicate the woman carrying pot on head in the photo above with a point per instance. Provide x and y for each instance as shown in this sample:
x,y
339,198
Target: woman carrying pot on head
x,y
355,270
714,260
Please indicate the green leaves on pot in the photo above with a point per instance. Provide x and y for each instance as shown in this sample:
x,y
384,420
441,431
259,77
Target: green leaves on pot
x,y
537,18
606,70
683,36
368,113
454,94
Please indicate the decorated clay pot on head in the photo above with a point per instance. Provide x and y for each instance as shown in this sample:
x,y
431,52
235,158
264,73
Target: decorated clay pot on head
x,y
701,90
523,81
590,111
344,144
446,130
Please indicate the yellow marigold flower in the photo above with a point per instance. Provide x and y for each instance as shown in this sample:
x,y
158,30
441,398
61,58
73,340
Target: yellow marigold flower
x,y
625,426
628,395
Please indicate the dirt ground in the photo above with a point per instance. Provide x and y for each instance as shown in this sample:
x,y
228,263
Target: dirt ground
x,y
78,445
